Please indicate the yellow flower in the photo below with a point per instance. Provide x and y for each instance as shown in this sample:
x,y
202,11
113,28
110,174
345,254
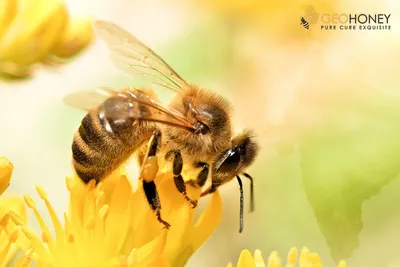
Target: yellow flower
x,y
40,32
9,207
306,259
111,224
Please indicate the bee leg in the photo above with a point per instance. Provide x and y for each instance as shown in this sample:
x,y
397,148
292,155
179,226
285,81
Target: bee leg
x,y
148,174
209,190
177,165
203,174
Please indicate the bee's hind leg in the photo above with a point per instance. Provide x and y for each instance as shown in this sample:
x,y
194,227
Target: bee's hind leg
x,y
177,165
148,174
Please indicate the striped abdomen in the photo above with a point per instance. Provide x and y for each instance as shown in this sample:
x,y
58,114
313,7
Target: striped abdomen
x,y
105,139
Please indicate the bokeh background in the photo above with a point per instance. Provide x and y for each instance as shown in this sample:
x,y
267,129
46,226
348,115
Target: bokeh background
x,y
325,107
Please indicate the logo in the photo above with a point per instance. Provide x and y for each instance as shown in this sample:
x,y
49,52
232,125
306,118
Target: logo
x,y
344,21
310,17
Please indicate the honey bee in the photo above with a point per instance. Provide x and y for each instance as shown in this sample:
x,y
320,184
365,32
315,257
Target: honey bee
x,y
304,23
310,17
193,130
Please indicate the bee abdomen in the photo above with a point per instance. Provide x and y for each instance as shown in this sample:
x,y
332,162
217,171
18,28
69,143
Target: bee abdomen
x,y
97,133
96,149
87,173
105,139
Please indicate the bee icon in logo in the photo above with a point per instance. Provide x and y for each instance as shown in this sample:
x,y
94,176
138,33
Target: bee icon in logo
x,y
305,23
310,17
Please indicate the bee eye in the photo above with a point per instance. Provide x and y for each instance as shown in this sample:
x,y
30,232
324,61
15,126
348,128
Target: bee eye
x,y
231,162
206,129
201,128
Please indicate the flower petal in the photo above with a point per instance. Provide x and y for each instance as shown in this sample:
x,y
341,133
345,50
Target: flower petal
x,y
292,256
207,222
11,71
118,214
6,169
8,11
32,35
258,259
246,259
149,252
78,35
274,260
142,218
303,260
177,236
15,204
119,222
314,260
23,262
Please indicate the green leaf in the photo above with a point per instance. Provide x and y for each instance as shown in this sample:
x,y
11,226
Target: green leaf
x,y
348,153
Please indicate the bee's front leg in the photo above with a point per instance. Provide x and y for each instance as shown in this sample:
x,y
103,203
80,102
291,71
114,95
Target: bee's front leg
x,y
177,165
148,174
203,174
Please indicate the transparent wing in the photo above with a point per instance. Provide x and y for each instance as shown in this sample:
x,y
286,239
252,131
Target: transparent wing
x,y
157,111
311,15
133,57
139,106
88,99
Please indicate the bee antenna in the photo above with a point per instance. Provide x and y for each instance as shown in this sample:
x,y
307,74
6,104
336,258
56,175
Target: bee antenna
x,y
251,191
241,203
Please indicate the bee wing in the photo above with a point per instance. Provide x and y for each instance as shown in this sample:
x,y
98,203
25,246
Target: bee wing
x,y
311,15
88,99
133,57
140,106
157,111
310,10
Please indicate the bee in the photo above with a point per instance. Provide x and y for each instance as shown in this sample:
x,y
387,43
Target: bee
x,y
310,17
304,22
193,130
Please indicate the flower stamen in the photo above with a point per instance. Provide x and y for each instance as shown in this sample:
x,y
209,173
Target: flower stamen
x,y
15,218
112,223
292,257
45,230
4,220
274,260
38,246
258,259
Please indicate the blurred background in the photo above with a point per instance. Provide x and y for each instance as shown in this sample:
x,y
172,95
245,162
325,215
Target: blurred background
x,y
325,106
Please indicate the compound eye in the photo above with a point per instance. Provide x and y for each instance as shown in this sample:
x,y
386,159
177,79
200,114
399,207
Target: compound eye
x,y
231,162
201,128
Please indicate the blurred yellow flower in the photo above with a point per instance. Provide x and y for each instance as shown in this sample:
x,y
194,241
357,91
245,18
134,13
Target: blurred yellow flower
x,y
38,31
111,224
306,259
9,207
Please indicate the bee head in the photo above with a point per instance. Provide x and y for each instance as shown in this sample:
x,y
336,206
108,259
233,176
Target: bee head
x,y
210,116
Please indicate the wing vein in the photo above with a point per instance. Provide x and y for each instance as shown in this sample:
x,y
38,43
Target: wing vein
x,y
130,54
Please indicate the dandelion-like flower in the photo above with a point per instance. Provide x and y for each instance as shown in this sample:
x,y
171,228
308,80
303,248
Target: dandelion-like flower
x,y
35,32
306,259
111,224
9,207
